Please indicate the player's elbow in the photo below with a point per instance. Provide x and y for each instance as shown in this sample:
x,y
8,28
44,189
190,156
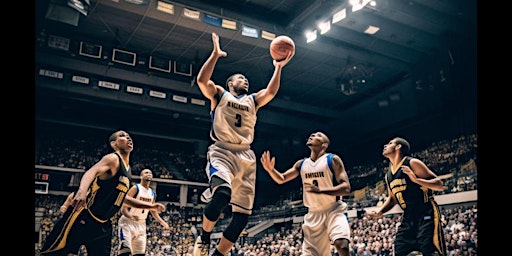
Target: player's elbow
x,y
346,191
280,181
440,187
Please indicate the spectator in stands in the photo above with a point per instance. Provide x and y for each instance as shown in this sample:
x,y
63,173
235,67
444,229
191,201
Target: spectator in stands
x,y
324,181
410,184
99,197
231,166
132,223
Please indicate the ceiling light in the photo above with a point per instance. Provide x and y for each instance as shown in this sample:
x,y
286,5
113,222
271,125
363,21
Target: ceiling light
x,y
371,30
324,27
339,15
311,36
358,4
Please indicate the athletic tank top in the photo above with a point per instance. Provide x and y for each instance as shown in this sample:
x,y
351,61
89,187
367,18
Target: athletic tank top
x,y
146,195
320,173
410,196
233,119
105,197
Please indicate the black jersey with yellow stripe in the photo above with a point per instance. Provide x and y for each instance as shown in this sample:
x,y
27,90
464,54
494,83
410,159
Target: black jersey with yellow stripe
x,y
105,197
409,196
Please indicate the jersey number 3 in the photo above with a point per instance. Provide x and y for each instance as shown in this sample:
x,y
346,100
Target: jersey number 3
x,y
238,122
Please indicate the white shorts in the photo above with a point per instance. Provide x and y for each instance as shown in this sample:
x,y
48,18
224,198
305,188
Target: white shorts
x,y
132,235
237,166
322,228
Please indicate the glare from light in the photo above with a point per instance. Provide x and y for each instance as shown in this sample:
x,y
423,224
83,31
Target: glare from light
x,y
371,30
324,27
311,36
339,15
358,4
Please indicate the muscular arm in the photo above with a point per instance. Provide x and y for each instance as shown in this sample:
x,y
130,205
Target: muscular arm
x,y
280,178
419,173
265,95
343,187
386,206
207,86
133,202
107,162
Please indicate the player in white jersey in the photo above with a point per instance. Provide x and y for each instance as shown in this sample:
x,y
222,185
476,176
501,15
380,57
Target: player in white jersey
x,y
324,182
132,223
231,166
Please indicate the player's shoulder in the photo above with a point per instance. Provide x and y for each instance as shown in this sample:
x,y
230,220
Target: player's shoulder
x,y
110,157
333,156
413,160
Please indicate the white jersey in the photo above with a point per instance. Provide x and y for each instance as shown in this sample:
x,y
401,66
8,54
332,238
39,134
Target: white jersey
x,y
146,195
234,119
319,173
325,221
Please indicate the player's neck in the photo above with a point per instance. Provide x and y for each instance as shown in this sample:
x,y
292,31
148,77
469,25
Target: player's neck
x,y
145,184
396,159
125,157
315,155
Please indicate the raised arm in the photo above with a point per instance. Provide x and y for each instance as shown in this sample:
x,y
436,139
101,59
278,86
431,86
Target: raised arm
x,y
207,86
280,178
265,95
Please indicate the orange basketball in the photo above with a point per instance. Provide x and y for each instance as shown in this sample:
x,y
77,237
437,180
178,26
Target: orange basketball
x,y
280,47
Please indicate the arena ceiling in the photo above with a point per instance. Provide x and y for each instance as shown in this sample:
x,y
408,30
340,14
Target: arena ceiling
x,y
420,65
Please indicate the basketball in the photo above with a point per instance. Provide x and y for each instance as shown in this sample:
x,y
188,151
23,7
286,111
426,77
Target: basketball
x,y
281,46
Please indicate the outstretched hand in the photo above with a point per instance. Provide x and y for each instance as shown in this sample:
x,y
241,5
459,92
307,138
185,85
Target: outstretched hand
x,y
267,162
374,214
282,63
216,46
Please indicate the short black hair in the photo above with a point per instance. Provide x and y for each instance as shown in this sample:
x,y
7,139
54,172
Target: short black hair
x,y
406,147
230,78
114,135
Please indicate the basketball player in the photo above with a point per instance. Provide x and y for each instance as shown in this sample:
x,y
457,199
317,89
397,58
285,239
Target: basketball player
x,y
410,184
231,166
324,182
132,223
99,197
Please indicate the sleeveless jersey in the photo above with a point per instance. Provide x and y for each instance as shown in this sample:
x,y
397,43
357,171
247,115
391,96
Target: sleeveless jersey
x,y
409,195
105,197
233,119
146,195
321,174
